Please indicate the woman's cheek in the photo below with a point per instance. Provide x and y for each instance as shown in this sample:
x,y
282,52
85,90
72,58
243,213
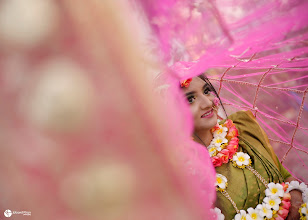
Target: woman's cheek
x,y
194,111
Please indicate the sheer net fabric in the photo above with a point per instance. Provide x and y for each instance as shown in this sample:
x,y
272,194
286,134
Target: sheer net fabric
x,y
254,52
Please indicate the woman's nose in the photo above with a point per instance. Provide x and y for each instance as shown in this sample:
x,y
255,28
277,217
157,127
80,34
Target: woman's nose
x,y
205,102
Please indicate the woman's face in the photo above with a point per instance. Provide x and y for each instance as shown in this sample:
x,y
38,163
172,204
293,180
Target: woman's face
x,y
200,98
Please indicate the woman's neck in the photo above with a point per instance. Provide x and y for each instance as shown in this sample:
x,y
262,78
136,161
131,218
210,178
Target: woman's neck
x,y
203,137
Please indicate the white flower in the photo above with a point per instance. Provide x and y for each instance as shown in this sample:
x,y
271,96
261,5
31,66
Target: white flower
x,y
241,158
296,185
218,213
221,181
302,187
218,141
274,190
241,216
212,151
221,132
304,211
265,210
253,214
272,202
305,196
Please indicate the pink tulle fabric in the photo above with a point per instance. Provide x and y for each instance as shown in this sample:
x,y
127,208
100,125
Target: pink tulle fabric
x,y
254,52
82,134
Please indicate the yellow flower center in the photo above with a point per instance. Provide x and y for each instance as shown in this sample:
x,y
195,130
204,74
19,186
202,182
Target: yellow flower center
x,y
243,218
241,159
218,141
212,149
219,180
254,216
223,146
272,202
274,190
264,210
220,131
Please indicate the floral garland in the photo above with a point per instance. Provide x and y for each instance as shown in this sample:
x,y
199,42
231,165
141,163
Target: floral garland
x,y
224,144
216,211
275,205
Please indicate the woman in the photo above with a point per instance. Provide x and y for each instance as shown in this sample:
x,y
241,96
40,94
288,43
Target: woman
x,y
246,165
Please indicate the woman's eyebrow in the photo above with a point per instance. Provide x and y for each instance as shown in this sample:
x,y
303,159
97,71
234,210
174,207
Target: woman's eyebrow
x,y
189,93
206,86
193,92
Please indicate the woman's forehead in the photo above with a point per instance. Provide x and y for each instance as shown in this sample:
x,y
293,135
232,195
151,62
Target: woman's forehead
x,y
195,84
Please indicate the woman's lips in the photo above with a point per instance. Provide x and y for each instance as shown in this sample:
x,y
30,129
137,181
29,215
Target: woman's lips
x,y
208,114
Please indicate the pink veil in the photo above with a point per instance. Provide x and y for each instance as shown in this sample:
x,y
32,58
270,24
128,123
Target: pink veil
x,y
254,52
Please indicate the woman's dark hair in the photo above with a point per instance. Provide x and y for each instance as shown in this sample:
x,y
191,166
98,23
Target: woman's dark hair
x,y
205,79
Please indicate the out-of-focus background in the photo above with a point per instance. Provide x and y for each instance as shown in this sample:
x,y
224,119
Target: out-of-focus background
x,y
83,134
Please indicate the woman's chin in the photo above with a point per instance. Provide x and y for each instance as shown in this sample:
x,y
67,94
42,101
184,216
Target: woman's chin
x,y
207,123
213,121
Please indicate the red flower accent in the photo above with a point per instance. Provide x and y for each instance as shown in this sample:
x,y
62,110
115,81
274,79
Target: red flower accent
x,y
225,152
286,204
279,218
215,128
229,123
185,83
286,197
216,161
228,153
224,156
232,132
285,186
232,149
235,140
283,213
232,146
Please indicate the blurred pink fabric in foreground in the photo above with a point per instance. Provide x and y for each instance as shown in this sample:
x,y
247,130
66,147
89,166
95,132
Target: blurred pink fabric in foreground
x,y
82,135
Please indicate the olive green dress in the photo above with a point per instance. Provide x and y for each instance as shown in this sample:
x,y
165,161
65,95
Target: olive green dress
x,y
243,186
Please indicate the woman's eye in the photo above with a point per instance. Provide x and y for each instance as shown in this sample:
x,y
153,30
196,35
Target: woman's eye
x,y
191,99
207,91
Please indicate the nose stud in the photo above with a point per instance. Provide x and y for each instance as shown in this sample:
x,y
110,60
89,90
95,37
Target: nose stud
x,y
215,104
